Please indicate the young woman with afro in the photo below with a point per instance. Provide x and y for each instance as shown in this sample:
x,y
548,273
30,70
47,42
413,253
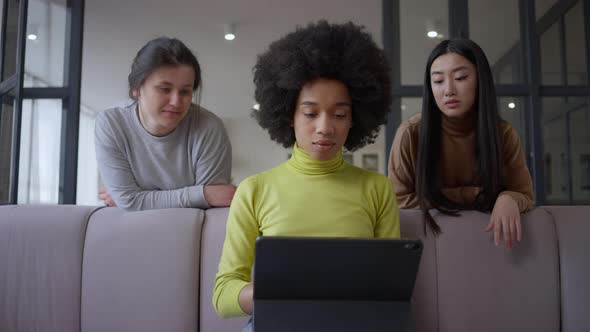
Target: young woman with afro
x,y
320,88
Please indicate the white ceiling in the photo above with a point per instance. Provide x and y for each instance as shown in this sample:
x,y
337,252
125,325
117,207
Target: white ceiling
x,y
493,24
115,30
124,24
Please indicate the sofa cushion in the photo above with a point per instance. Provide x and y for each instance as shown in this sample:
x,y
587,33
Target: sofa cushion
x,y
487,288
424,298
41,266
573,227
141,271
211,246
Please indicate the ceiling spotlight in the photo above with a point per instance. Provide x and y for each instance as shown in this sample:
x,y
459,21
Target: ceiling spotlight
x,y
229,31
433,28
32,31
511,105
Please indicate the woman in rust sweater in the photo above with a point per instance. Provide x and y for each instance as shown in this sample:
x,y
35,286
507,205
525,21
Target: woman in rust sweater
x,y
458,154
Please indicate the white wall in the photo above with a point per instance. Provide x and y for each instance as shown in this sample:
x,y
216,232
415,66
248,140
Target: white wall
x,y
115,30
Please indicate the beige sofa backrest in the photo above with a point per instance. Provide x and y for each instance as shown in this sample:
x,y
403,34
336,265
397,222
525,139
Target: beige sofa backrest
x,y
470,284
465,283
572,226
141,271
41,267
73,268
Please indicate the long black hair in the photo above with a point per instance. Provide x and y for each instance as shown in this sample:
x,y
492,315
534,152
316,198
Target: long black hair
x,y
488,147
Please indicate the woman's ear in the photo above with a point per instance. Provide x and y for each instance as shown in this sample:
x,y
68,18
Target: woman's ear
x,y
135,93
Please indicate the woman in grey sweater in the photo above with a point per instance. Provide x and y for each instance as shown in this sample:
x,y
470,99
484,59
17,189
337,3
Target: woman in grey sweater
x,y
163,151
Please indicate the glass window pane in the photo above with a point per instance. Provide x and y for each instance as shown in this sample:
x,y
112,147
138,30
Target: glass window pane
x,y
6,118
372,156
579,122
46,36
410,106
512,110
542,7
575,46
9,65
417,19
566,145
1,17
501,44
40,151
88,182
551,73
554,155
503,74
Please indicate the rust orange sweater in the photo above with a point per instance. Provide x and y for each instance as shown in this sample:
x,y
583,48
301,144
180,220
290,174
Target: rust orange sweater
x,y
458,165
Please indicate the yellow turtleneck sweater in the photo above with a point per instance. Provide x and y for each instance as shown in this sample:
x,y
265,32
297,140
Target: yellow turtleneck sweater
x,y
301,197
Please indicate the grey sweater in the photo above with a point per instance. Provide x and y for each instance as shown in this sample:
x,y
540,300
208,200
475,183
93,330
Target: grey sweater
x,y
143,172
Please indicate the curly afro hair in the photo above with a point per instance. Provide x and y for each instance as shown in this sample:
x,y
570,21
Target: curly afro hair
x,y
343,52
